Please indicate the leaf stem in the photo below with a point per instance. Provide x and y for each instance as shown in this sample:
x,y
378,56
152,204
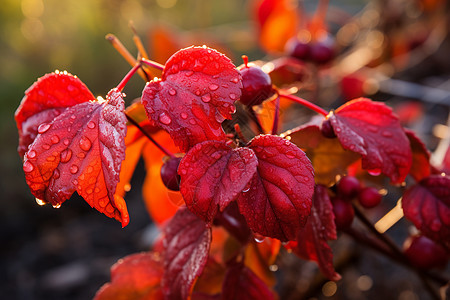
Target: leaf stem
x,y
160,147
306,103
255,119
238,130
152,63
127,77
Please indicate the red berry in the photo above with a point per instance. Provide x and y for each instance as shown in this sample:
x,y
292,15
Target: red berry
x,y
322,51
298,49
326,129
348,187
424,253
343,213
369,197
256,84
169,174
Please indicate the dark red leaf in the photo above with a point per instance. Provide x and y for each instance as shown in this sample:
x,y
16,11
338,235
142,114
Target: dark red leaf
x,y
279,198
186,243
421,167
320,227
134,277
327,156
241,283
196,93
81,150
44,100
427,205
213,175
372,130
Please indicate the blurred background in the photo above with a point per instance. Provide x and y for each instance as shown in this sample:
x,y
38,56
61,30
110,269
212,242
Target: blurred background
x,y
396,51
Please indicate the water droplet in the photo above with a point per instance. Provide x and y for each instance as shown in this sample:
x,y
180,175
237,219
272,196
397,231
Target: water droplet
x,y
40,202
374,172
43,127
184,116
51,158
55,139
56,174
85,143
75,182
338,129
373,128
183,171
31,154
91,125
192,121
46,146
81,155
213,87
73,117
188,73
73,169
197,92
89,191
165,119
172,92
27,167
206,98
57,205
234,80
90,169
290,155
232,96
246,189
258,238
66,142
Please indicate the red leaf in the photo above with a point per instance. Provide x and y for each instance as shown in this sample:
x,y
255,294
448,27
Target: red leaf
x,y
81,150
320,227
186,243
241,283
421,167
213,175
327,155
135,277
196,93
427,205
372,130
279,198
46,99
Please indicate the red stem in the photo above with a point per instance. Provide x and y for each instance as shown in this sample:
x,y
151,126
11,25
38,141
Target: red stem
x,y
306,103
276,116
152,63
127,77
160,147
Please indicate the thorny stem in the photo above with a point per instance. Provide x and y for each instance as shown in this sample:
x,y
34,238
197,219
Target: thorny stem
x,y
306,103
276,116
115,42
160,147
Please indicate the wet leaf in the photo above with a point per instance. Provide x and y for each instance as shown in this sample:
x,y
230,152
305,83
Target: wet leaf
x,y
45,100
427,205
195,94
186,243
327,156
320,227
213,175
278,200
135,277
81,150
372,130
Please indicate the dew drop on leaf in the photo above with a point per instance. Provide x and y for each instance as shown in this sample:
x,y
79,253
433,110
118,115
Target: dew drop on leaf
x,y
27,166
55,139
57,205
213,87
165,119
66,155
40,202
56,174
85,143
232,96
258,238
91,125
172,92
184,116
46,146
206,98
386,133
374,172
189,73
43,127
31,154
73,169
